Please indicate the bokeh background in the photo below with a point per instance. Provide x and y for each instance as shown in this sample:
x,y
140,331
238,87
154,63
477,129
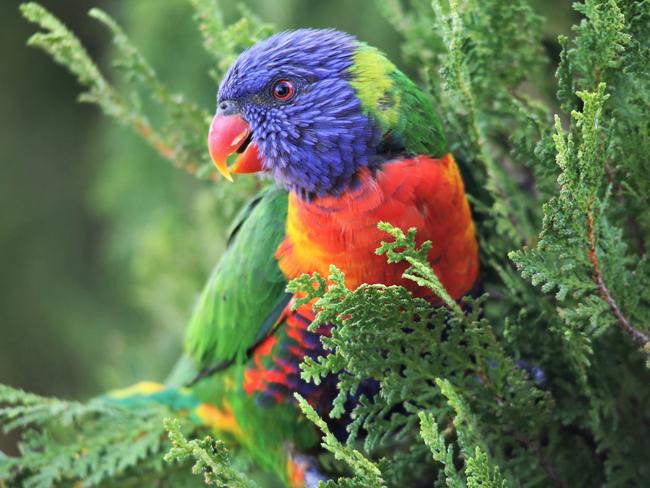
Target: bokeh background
x,y
104,246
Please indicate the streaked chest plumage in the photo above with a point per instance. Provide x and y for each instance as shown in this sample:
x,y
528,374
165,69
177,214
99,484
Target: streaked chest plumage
x,y
424,193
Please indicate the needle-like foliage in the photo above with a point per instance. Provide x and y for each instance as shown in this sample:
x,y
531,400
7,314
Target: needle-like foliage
x,y
98,442
211,458
542,380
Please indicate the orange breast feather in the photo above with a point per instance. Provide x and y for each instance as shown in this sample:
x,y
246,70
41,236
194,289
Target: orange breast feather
x,y
424,193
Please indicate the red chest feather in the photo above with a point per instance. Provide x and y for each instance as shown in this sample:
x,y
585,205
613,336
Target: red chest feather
x,y
424,193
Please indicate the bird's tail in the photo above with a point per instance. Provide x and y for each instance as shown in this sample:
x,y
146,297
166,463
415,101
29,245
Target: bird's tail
x,y
295,470
180,402
107,437
145,393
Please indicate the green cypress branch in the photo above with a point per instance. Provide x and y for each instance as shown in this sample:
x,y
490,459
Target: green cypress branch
x,y
637,336
66,49
464,388
441,452
224,42
366,473
211,458
403,248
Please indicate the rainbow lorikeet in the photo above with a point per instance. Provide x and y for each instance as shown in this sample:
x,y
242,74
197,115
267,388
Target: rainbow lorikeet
x,y
349,141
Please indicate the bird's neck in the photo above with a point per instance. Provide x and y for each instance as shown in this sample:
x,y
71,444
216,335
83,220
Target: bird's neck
x,y
424,193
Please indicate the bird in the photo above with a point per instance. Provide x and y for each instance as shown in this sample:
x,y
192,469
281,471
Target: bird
x,y
347,140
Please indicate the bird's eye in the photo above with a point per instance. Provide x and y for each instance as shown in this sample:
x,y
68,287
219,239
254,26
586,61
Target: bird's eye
x,y
282,90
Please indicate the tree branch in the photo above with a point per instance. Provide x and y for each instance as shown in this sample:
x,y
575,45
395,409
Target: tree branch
x,y
637,336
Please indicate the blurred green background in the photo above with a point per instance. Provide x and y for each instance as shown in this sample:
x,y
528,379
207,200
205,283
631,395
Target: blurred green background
x,y
104,246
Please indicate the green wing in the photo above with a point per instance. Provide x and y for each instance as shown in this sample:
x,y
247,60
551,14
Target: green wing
x,y
246,291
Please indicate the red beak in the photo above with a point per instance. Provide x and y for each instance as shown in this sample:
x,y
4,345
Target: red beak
x,y
229,134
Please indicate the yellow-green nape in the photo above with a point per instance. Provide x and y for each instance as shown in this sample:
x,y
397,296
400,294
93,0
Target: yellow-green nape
x,y
374,84
399,107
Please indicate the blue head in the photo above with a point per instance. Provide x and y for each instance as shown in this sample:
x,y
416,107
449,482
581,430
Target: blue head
x,y
289,104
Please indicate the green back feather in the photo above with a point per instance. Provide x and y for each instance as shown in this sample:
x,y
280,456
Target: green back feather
x,y
396,104
246,291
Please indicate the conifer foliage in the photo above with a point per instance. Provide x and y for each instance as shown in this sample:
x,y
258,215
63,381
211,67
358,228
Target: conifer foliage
x,y
542,381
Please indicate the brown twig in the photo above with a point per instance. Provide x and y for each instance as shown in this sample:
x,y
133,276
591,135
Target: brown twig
x,y
637,336
544,462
